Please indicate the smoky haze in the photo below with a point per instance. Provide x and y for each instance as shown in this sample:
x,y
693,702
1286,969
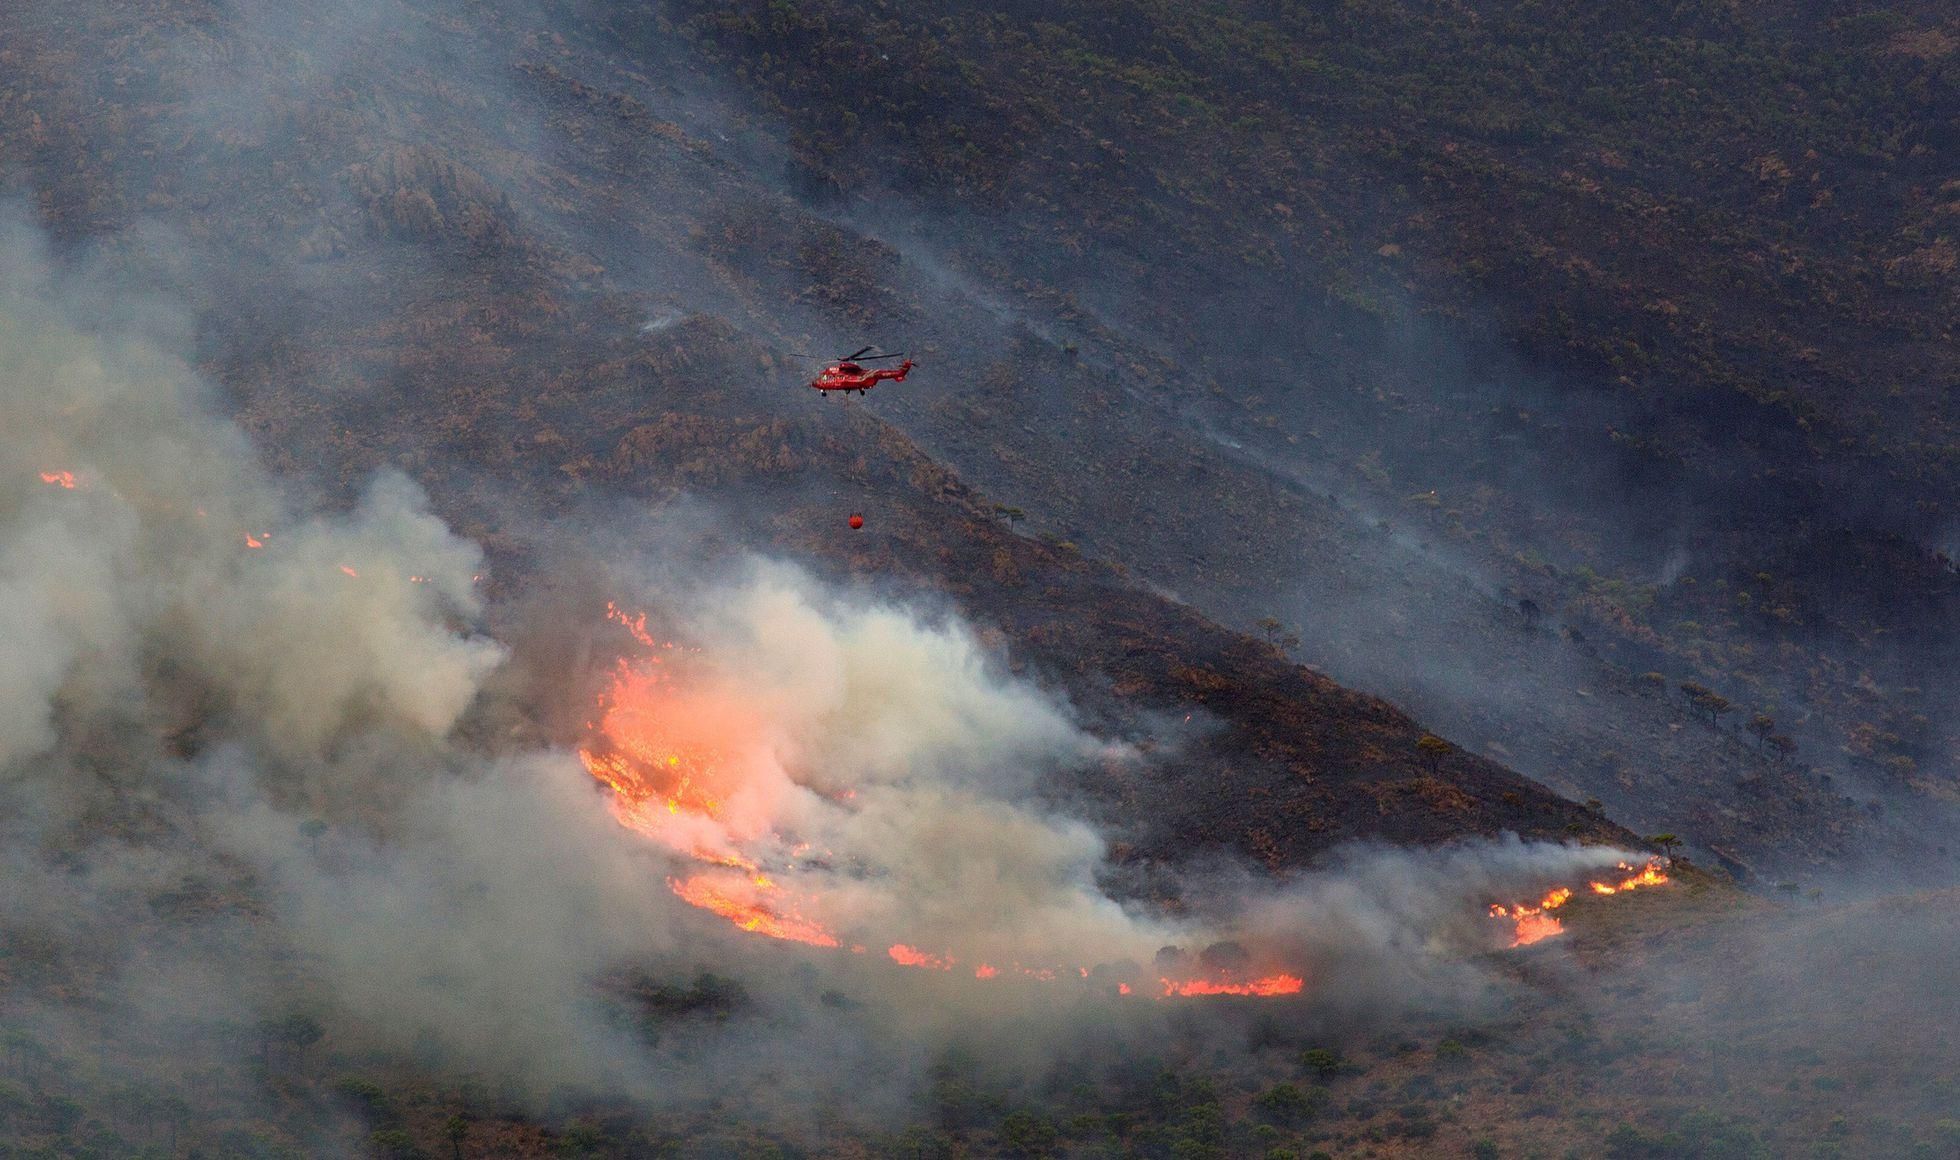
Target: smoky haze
x,y
245,783
239,790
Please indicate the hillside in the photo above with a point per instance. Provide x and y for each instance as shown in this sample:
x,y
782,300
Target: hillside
x,y
1660,347
423,325
1250,472
1372,466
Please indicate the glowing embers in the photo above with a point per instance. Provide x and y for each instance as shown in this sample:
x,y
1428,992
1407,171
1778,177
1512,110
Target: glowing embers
x,y
1532,924
635,626
752,903
61,479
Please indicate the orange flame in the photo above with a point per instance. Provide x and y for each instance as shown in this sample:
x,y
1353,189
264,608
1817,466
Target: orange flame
x,y
726,898
906,956
1535,923
350,571
667,757
678,763
1267,987
1532,923
252,541
61,479
1649,875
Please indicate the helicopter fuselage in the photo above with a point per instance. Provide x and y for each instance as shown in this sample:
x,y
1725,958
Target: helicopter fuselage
x,y
850,376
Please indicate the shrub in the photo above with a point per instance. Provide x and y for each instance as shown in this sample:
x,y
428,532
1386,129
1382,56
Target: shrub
x,y
1026,1134
581,1139
1715,1137
1627,1142
1286,1103
920,1143
394,1144
1321,1061
364,1093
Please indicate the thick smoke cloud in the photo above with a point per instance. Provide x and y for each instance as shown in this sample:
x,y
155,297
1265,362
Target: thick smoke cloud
x,y
233,762
197,664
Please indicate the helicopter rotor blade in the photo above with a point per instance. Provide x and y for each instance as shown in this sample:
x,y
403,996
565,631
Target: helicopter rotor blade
x,y
861,353
879,358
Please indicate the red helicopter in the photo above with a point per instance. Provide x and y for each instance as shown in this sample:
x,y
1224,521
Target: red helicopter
x,y
849,373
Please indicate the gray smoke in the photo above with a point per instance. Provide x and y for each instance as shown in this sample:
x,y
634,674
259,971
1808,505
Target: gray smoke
x,y
238,787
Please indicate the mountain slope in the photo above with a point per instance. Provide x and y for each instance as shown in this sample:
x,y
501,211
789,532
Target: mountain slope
x,y
380,301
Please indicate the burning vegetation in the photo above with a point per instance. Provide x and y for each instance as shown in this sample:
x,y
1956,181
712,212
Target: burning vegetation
x,y
694,759
750,904
687,761
1536,923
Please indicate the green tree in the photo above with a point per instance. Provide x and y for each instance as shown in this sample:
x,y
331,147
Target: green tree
x,y
455,1129
294,1033
1668,843
1434,748
312,829
1706,699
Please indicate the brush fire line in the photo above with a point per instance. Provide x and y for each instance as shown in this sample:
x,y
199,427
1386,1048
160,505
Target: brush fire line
x,y
675,761
1536,923
671,760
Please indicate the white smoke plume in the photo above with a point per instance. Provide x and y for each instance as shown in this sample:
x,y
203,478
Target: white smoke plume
x,y
234,785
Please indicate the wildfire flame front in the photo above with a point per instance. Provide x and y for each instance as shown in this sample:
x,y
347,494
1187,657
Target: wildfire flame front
x,y
672,759
1536,923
